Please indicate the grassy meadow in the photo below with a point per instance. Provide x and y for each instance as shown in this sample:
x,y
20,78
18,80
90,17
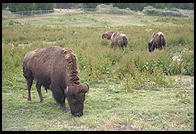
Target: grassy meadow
x,y
130,89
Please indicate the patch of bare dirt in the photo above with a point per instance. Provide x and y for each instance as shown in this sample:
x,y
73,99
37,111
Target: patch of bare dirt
x,y
126,128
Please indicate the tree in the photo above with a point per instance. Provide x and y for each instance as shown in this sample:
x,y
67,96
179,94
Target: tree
x,y
15,7
159,5
43,6
64,5
4,5
90,5
132,6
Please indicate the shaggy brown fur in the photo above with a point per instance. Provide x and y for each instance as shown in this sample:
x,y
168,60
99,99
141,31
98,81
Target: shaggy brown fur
x,y
56,68
117,38
157,41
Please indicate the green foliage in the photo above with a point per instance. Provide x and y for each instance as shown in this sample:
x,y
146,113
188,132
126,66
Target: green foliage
x,y
90,5
4,5
15,7
65,5
141,6
188,64
164,12
183,96
132,6
104,42
12,22
102,8
159,5
43,6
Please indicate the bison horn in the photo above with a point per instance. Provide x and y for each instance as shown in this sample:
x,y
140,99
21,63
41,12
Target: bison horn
x,y
66,90
86,89
87,85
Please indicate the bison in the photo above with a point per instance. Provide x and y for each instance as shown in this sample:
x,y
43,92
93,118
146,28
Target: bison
x,y
117,38
55,68
157,41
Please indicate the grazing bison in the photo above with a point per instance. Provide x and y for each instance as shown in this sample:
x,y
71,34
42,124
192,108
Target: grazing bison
x,y
117,38
158,41
55,68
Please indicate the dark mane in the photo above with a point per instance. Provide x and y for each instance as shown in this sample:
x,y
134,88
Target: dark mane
x,y
72,72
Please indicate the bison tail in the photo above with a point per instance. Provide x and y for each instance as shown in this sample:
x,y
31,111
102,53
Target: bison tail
x,y
125,41
25,71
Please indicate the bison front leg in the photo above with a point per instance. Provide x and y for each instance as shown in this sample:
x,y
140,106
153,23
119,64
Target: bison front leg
x,y
112,44
38,86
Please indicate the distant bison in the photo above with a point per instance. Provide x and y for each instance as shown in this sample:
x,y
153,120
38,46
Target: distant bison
x,y
117,38
157,41
56,69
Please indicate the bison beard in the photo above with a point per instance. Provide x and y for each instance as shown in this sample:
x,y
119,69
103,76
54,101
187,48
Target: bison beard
x,y
55,68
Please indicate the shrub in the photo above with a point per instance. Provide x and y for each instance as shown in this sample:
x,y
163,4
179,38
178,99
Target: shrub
x,y
188,64
102,8
149,10
104,42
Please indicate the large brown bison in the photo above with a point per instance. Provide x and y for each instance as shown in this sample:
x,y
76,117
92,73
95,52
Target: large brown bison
x,y
117,38
157,41
55,68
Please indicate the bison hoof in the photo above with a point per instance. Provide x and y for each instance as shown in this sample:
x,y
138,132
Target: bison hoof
x,y
42,100
55,105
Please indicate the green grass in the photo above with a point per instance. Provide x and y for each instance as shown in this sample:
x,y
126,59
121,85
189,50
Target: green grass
x,y
106,108
129,90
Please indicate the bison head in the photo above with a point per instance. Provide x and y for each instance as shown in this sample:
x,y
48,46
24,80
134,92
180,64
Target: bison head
x,y
106,35
76,96
151,47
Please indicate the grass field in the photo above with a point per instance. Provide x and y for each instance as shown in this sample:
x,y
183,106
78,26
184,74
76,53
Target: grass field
x,y
129,90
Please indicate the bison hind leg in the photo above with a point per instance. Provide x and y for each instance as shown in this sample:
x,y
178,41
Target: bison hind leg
x,y
38,86
29,84
29,78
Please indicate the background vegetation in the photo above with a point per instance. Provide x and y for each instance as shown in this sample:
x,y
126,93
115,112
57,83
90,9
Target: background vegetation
x,y
140,6
129,90
14,7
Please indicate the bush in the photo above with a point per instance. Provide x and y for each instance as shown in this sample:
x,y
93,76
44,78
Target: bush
x,y
164,12
102,8
188,64
104,42
15,7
